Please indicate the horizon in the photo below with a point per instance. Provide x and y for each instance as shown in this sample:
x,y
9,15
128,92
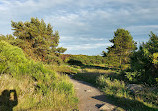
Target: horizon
x,y
85,27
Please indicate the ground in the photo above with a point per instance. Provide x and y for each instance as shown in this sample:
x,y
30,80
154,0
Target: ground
x,y
90,98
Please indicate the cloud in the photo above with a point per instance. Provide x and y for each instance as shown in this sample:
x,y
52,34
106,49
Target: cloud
x,y
86,46
30,6
143,29
68,38
85,23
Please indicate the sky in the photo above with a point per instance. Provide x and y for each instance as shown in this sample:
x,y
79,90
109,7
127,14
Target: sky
x,y
85,26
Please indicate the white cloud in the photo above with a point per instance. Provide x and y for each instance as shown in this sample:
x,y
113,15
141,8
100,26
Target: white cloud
x,y
143,29
68,38
86,46
84,22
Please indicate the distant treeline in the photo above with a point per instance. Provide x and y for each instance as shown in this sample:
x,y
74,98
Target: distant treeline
x,y
83,59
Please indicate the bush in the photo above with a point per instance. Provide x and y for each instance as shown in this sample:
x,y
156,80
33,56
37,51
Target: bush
x,y
144,61
118,92
50,91
112,87
53,59
85,60
133,76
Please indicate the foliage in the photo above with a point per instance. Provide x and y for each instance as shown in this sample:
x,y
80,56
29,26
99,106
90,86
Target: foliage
x,y
104,54
152,44
144,61
112,87
118,92
8,38
85,60
38,87
37,39
61,50
30,94
115,90
122,47
10,57
63,69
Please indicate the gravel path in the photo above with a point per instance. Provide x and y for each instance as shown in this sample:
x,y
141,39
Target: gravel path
x,y
90,98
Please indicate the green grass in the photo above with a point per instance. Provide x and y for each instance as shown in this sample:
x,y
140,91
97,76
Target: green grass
x,y
90,74
38,88
60,97
63,69
112,84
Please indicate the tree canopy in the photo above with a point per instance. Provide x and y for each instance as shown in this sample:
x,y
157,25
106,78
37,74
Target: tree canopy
x,y
145,61
36,37
122,47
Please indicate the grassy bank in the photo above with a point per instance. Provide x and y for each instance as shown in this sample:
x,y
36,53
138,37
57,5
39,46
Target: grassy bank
x,y
36,87
113,86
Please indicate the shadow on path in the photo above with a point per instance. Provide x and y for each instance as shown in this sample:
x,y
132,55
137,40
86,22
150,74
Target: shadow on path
x,y
126,104
119,102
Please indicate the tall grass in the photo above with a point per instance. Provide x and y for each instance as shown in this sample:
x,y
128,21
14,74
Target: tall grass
x,y
61,97
38,88
111,83
62,69
117,90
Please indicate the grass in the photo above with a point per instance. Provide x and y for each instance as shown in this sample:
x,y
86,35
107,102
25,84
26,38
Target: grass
x,y
61,97
62,69
37,87
90,74
118,92
113,86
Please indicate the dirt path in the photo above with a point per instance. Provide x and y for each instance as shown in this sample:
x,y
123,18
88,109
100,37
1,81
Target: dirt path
x,y
90,98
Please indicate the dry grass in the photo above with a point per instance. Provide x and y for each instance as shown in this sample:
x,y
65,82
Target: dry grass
x,y
29,99
115,89
36,87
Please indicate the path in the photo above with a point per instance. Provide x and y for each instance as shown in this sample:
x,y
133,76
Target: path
x,y
90,98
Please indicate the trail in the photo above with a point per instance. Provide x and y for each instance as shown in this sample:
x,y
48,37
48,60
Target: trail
x,y
90,98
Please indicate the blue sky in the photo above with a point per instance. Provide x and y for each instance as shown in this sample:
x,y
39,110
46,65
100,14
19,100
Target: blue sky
x,y
85,26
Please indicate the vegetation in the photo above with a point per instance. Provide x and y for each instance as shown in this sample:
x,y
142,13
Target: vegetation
x,y
137,67
115,89
30,85
37,40
85,60
118,91
144,64
121,49
63,69
32,75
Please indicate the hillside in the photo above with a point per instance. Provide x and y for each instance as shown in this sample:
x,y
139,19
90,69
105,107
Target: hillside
x,y
28,85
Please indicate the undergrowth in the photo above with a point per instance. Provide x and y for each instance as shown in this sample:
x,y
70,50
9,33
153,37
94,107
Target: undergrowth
x,y
113,86
38,88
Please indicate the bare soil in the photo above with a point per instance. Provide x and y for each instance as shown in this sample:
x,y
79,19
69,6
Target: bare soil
x,y
90,98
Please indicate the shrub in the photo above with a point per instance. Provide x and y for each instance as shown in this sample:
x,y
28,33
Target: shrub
x,y
145,62
50,91
85,60
112,87
118,92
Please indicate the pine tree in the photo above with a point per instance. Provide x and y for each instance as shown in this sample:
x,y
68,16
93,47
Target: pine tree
x,y
122,47
152,44
145,61
36,37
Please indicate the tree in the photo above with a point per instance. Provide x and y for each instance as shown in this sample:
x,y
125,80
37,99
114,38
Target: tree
x,y
145,61
104,54
122,47
152,44
9,38
35,37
